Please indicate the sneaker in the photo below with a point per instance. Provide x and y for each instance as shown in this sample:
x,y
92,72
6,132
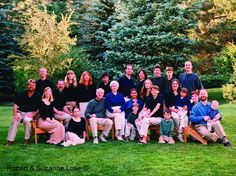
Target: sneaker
x,y
161,140
171,140
102,138
95,140
144,140
119,138
227,144
180,137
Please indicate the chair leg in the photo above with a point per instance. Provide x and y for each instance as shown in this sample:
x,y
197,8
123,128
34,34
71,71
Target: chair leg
x,y
185,135
113,130
35,138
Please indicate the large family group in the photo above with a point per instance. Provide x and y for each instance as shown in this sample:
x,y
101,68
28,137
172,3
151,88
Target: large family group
x,y
130,105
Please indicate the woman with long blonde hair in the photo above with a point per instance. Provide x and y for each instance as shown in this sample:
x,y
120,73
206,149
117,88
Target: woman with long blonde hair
x,y
146,89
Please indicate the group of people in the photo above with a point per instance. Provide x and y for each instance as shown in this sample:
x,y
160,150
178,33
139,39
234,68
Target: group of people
x,y
133,105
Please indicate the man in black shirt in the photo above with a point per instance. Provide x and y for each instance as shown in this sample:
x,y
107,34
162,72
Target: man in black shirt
x,y
105,83
60,103
25,107
43,82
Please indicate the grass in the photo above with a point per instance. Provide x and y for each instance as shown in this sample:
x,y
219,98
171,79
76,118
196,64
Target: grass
x,y
119,158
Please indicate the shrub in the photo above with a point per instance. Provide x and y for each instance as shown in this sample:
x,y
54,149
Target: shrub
x,y
214,81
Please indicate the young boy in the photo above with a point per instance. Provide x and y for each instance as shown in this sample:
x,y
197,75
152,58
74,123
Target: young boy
x,y
130,129
166,129
214,114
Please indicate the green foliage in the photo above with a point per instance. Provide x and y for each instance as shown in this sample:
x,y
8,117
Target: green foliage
x,y
148,32
213,81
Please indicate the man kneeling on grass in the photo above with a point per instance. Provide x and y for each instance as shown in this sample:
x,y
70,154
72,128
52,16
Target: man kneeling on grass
x,y
200,116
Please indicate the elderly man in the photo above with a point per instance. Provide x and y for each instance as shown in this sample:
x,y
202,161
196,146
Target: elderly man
x,y
200,115
190,80
25,107
95,111
43,82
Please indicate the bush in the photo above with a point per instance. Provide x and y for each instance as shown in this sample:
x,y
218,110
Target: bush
x,y
214,81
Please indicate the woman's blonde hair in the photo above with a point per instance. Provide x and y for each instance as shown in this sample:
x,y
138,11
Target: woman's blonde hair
x,y
82,81
144,90
74,80
51,99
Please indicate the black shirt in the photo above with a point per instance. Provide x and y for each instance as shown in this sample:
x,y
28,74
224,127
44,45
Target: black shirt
x,y
59,99
161,82
26,103
46,111
71,93
106,88
170,99
139,86
42,84
125,85
152,103
77,127
86,93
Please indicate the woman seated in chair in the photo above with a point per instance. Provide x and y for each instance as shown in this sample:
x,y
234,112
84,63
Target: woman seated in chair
x,y
76,132
47,121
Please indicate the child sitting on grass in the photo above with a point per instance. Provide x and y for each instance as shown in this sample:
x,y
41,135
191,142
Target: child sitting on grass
x,y
130,129
214,114
166,129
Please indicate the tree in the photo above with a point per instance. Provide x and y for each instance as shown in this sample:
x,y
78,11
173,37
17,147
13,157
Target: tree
x,y
149,32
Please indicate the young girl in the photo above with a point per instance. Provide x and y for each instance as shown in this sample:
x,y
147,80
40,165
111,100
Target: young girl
x,y
179,112
76,132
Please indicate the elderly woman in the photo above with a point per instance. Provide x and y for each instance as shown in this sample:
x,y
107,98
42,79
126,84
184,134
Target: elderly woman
x,y
47,121
115,105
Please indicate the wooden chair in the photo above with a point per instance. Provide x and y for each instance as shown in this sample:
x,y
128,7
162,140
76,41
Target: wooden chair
x,y
38,130
190,130
100,128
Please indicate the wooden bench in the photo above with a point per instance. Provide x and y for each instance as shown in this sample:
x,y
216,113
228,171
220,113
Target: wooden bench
x,y
190,130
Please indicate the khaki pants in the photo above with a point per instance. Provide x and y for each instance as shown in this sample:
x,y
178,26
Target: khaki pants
x,y
119,119
218,132
146,122
107,123
15,123
180,120
130,131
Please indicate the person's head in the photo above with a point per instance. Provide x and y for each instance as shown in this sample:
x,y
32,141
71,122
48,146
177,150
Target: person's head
x,y
194,97
167,114
76,111
31,85
214,105
188,66
47,94
175,85
99,93
157,71
142,75
133,93
114,86
70,78
155,90
129,69
169,72
105,77
86,78
183,92
135,107
147,84
203,95
43,73
60,84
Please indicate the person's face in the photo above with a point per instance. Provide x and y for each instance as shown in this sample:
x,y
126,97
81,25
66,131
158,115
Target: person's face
x,y
135,109
114,87
100,93
86,77
48,93
203,95
70,76
183,94
105,79
76,112
129,70
188,66
147,84
141,75
214,105
31,86
154,92
134,94
195,98
167,116
169,74
175,85
60,85
157,72
43,73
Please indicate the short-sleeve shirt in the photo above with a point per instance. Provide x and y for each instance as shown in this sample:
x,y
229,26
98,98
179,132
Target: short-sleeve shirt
x,y
152,103
77,127
26,103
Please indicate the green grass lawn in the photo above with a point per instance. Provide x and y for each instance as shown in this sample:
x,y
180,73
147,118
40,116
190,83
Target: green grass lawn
x,y
120,158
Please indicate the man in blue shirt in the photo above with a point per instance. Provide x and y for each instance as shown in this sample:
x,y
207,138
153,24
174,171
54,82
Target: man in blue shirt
x,y
200,115
190,80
